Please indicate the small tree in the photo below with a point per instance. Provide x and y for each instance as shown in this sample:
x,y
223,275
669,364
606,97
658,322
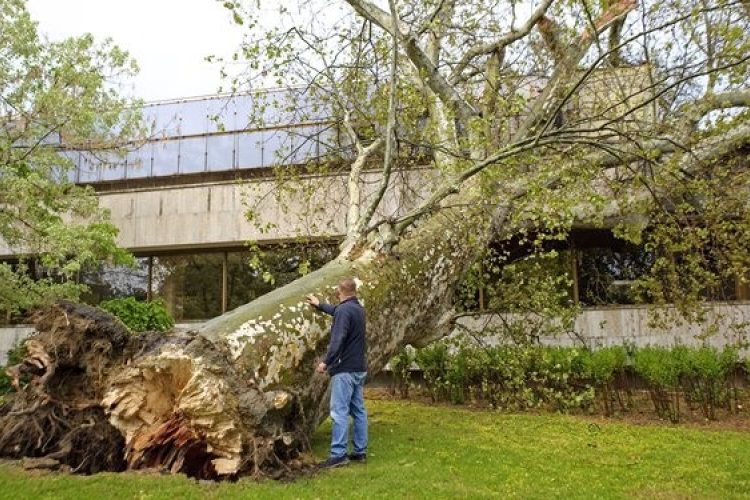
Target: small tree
x,y
54,94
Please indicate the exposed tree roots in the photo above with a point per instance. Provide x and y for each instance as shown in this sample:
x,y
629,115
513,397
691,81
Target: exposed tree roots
x,y
95,398
56,414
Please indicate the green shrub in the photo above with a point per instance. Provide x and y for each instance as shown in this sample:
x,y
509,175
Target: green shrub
x,y
401,367
15,356
706,377
661,368
433,361
510,378
605,363
140,316
603,366
563,377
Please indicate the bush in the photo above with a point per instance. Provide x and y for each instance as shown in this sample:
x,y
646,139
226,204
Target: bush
x,y
706,376
140,316
604,366
565,378
433,361
661,369
401,368
15,356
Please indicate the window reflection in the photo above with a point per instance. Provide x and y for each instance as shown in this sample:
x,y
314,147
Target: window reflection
x,y
190,285
110,282
606,275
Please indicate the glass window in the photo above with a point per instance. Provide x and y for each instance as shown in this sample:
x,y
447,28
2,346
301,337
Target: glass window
x,y
221,115
304,144
220,152
244,282
192,155
276,107
329,140
243,107
250,150
190,285
109,282
284,264
310,107
139,161
164,119
68,168
165,157
88,168
113,167
606,275
193,118
277,147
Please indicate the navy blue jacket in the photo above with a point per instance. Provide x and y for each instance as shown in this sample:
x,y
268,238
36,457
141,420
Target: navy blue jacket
x,y
347,350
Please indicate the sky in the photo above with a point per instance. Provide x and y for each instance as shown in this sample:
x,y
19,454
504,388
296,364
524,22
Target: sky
x,y
168,38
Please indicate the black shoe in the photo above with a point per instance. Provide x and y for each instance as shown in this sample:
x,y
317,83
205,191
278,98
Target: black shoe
x,y
358,457
333,462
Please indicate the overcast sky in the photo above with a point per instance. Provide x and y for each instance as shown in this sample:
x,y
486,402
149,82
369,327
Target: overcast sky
x,y
168,38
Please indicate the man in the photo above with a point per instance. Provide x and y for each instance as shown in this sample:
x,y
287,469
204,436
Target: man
x,y
345,362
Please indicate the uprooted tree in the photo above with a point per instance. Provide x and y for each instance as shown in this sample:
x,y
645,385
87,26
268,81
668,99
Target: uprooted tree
x,y
533,117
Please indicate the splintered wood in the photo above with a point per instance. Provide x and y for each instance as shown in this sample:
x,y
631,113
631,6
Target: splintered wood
x,y
170,406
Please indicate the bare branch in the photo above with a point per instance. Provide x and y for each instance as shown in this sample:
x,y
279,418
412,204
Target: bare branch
x,y
390,140
433,17
427,69
501,43
353,184
715,102
566,67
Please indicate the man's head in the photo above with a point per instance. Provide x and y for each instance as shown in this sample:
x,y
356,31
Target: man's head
x,y
347,288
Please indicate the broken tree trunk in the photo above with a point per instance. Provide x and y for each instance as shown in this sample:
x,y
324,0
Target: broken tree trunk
x,y
239,396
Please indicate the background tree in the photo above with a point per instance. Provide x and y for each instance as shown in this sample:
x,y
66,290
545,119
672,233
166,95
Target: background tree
x,y
534,117
53,93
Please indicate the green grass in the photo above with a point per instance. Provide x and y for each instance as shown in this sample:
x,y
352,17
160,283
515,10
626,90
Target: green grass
x,y
433,453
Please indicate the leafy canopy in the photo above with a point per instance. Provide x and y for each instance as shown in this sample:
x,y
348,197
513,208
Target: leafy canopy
x,y
54,94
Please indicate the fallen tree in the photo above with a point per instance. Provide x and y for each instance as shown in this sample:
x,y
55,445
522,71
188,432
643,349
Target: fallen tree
x,y
240,395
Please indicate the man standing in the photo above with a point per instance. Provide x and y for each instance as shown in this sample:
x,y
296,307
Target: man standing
x,y
345,362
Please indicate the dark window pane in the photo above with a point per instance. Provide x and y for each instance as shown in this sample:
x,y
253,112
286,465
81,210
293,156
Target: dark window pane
x,y
606,275
189,284
284,265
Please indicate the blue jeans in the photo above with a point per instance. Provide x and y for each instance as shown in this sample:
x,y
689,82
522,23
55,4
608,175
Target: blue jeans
x,y
347,398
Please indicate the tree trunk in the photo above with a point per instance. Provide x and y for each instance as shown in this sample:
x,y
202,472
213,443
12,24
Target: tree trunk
x,y
239,396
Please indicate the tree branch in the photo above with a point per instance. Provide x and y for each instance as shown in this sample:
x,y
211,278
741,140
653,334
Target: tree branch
x,y
499,44
568,64
390,140
550,32
427,69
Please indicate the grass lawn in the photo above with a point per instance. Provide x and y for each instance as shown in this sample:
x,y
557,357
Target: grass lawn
x,y
427,452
